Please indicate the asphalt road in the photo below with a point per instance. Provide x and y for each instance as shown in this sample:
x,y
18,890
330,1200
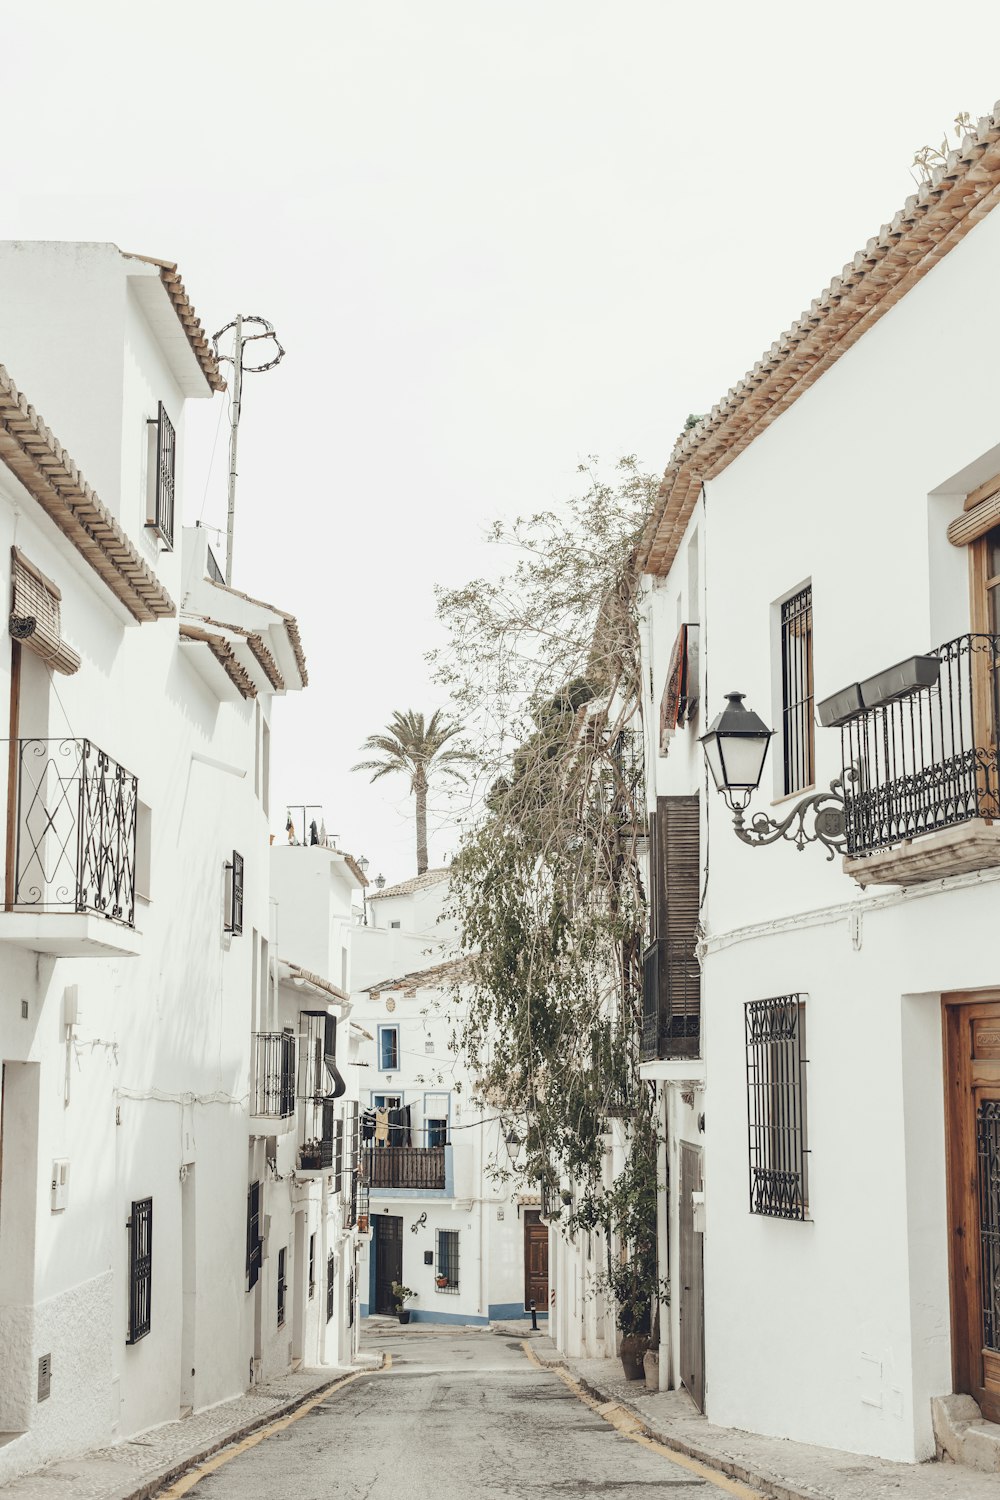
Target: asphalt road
x,y
457,1416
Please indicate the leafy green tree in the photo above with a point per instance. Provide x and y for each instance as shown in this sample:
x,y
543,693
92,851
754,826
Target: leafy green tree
x,y
419,751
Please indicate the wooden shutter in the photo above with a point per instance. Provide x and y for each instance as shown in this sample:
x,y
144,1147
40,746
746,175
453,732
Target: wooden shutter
x,y
678,891
34,615
254,1242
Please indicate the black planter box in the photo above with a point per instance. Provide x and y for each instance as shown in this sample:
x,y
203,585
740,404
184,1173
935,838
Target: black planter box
x,y
900,681
842,706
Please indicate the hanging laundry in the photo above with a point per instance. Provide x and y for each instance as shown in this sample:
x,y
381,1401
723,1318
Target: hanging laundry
x,y
381,1127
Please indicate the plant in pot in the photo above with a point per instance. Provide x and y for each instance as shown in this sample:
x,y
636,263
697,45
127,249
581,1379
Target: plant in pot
x,y
400,1296
311,1154
441,1282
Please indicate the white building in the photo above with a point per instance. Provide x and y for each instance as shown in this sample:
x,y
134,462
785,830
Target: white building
x,y
444,1203
135,925
837,513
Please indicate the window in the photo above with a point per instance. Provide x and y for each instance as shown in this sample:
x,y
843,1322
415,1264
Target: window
x,y
798,741
776,1106
312,1266
338,1156
986,621
140,1268
394,924
234,895
163,462
446,1260
331,1271
281,1286
436,1132
255,1244
436,1115
388,1048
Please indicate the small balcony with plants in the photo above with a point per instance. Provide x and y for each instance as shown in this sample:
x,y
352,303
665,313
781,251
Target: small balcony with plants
x,y
919,747
272,1083
70,866
671,1001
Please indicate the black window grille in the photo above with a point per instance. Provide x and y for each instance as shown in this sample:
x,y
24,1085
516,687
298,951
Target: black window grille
x,y
212,567
350,1302
776,1086
234,916
162,518
330,1286
797,690
988,1147
338,1156
274,1075
140,1268
446,1260
312,1266
281,1286
255,1244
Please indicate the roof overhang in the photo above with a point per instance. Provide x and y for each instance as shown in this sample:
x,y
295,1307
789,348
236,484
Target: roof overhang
x,y
959,195
46,471
332,994
160,293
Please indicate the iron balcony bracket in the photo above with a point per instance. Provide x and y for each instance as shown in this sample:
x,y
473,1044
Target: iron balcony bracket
x,y
828,822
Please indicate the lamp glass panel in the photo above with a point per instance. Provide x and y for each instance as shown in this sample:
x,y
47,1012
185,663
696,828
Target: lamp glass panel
x,y
713,755
743,757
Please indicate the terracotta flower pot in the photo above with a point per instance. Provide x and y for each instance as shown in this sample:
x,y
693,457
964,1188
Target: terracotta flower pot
x,y
631,1350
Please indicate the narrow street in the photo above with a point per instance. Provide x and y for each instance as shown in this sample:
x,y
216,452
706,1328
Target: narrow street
x,y
461,1414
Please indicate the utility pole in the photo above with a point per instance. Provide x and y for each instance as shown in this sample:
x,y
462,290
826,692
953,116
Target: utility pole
x,y
240,339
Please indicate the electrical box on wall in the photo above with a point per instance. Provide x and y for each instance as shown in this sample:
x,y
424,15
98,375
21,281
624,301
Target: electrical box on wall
x,y
60,1184
428,1257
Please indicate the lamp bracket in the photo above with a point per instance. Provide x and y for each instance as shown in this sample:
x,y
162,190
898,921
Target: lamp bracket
x,y
826,810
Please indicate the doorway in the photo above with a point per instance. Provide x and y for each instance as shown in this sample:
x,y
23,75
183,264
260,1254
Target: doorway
x,y
387,1230
536,1261
692,1269
972,1122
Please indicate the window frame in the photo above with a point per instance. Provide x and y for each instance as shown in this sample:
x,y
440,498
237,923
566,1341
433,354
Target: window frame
x,y
796,715
777,1120
140,1269
255,1240
447,1264
389,1029
281,1284
162,483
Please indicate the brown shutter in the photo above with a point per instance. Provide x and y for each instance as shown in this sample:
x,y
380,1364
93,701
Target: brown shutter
x,y
678,824
975,523
34,615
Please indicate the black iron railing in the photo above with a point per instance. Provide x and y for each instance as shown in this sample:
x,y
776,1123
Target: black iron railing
x,y
671,1000
927,760
274,1075
75,820
404,1167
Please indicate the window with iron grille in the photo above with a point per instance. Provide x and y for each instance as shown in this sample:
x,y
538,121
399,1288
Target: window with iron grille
x,y
330,1286
350,1302
312,1266
446,1260
160,515
798,741
776,1097
140,1268
255,1244
234,895
281,1286
338,1156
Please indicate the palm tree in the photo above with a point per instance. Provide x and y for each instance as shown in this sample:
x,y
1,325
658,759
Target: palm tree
x,y
418,751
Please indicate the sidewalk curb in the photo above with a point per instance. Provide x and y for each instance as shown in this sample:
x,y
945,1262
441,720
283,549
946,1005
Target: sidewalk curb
x,y
178,1469
774,1489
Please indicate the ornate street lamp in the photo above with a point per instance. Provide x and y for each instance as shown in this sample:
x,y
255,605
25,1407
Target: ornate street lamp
x,y
735,748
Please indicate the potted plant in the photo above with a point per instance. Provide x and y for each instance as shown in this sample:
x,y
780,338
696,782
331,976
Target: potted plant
x,y
632,1315
400,1295
441,1282
311,1154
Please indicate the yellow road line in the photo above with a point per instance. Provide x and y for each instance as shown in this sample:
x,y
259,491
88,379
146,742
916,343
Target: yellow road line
x,y
188,1481
631,1426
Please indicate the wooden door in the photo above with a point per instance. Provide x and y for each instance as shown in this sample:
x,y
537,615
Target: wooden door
x,y
972,1035
388,1229
536,1261
692,1296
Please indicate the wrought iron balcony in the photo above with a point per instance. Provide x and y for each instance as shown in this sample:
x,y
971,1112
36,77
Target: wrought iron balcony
x,y
671,1001
926,759
274,1075
404,1167
74,825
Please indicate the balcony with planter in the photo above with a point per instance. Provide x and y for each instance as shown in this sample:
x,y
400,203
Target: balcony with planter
x,y
671,1001
69,872
272,1083
919,749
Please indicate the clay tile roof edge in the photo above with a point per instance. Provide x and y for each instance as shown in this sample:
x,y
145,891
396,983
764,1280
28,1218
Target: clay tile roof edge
x,y
189,320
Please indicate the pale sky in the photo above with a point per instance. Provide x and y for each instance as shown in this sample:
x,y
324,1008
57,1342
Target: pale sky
x,y
493,239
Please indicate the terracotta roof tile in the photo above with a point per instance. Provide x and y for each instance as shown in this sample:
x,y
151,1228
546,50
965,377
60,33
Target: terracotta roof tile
x,y
189,320
417,883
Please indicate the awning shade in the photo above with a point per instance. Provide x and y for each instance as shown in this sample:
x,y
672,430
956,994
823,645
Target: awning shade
x,y
35,615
